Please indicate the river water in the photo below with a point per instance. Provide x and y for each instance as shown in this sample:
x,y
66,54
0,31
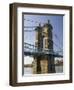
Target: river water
x,y
28,70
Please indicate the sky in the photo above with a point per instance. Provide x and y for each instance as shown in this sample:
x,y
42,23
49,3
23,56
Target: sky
x,y
55,20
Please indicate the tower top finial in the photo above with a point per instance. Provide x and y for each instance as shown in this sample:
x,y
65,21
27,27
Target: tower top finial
x,y
39,24
48,21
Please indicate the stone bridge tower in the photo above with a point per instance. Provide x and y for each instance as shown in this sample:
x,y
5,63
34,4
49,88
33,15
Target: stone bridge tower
x,y
44,42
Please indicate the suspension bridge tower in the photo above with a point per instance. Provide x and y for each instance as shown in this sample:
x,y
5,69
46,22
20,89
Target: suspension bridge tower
x,y
44,42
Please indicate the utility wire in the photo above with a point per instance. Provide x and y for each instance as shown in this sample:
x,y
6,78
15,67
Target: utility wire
x,y
33,21
35,47
50,39
52,32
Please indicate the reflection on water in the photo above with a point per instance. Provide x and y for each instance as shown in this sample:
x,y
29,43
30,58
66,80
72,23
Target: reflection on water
x,y
59,69
29,70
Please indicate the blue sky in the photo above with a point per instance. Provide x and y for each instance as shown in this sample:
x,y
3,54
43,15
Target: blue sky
x,y
55,20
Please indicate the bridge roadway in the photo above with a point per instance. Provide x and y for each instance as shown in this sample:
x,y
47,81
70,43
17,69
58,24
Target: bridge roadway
x,y
38,53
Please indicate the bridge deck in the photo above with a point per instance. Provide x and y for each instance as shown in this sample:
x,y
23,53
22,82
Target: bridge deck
x,y
42,53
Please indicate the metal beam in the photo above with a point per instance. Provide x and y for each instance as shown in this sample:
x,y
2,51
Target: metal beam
x,y
41,53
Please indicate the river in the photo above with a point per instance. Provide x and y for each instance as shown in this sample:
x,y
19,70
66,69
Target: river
x,y
28,70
